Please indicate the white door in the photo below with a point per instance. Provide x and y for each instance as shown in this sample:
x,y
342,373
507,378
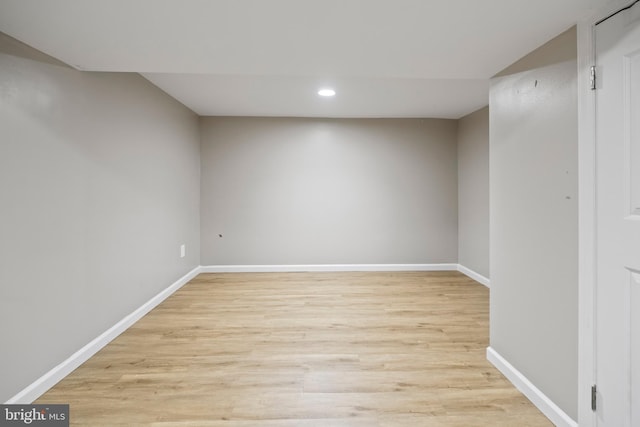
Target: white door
x,y
618,219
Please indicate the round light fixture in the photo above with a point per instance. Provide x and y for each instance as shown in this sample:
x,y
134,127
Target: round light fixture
x,y
326,92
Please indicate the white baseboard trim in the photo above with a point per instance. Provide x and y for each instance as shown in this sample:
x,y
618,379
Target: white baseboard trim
x,y
51,378
475,276
325,268
537,397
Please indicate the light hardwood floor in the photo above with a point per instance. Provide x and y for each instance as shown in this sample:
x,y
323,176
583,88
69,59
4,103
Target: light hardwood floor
x,y
303,350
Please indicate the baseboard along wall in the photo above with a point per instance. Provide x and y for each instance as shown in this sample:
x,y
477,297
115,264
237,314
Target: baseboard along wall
x,y
556,415
475,276
51,378
326,268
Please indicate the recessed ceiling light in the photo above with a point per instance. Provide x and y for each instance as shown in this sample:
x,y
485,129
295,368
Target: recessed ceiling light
x,y
326,92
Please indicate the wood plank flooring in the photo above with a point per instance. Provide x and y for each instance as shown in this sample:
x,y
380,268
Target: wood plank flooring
x,y
304,350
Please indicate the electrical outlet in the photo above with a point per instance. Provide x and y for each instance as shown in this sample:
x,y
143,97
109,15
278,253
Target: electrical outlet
x,y
183,251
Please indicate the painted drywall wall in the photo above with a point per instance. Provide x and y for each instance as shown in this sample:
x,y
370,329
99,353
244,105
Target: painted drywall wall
x,y
557,50
99,186
473,191
313,191
534,223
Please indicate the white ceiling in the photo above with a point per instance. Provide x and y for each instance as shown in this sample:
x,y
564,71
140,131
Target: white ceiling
x,y
385,58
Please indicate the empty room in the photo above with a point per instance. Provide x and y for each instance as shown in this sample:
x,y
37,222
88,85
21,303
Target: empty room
x,y
320,213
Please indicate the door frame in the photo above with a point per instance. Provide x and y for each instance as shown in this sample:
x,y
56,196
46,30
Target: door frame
x,y
587,242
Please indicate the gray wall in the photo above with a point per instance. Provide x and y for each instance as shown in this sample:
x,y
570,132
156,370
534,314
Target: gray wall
x,y
99,185
313,191
534,219
473,191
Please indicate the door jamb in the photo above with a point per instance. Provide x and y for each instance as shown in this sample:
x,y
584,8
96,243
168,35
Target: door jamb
x,y
586,222
587,244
